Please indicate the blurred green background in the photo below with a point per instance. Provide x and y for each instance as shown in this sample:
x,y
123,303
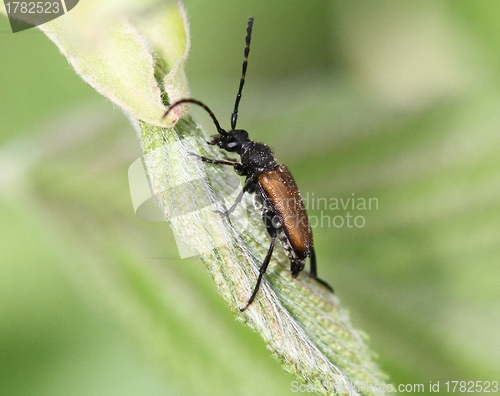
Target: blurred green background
x,y
393,100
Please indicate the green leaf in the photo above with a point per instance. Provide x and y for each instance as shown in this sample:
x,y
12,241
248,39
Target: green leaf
x,y
120,62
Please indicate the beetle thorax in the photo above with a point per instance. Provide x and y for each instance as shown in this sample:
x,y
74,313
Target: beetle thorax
x,y
257,157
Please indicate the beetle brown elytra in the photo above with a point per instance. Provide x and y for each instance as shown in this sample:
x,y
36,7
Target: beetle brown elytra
x,y
282,207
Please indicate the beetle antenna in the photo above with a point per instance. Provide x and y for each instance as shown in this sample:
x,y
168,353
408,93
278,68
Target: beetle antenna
x,y
210,112
234,117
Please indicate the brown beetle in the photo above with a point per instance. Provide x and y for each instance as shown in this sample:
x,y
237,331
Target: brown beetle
x,y
275,190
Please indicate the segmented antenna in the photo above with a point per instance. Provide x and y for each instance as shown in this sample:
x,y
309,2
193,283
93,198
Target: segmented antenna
x,y
234,116
195,101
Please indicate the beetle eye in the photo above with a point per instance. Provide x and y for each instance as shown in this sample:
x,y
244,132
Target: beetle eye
x,y
232,144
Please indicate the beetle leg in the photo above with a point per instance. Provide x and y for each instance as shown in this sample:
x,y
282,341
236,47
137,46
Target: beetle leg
x,y
246,187
215,161
263,268
313,274
238,166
